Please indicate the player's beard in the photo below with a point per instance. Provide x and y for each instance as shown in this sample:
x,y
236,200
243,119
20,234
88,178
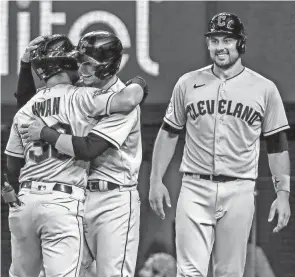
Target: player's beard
x,y
227,62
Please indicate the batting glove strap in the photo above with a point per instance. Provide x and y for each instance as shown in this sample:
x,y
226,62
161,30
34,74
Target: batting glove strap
x,y
281,182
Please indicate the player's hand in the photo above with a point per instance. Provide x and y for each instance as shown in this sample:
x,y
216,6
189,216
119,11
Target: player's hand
x,y
32,132
140,81
159,192
280,206
32,46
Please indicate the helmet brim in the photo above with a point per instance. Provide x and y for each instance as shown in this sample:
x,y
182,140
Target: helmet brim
x,y
208,34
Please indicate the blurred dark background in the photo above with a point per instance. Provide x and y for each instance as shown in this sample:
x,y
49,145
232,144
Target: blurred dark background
x,y
163,40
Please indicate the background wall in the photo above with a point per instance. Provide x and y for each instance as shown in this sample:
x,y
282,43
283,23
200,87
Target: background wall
x,y
163,40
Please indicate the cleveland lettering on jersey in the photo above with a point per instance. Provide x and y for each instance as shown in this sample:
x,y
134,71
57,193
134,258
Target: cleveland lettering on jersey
x,y
238,110
47,108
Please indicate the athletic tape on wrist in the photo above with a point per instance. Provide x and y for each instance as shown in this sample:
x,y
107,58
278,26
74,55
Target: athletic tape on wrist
x,y
281,182
64,145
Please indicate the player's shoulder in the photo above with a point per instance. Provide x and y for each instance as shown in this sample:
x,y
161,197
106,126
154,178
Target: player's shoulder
x,y
28,106
259,79
198,74
90,91
117,86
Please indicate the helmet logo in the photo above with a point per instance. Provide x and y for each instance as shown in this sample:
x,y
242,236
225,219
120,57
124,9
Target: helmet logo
x,y
83,46
221,20
40,70
212,27
230,24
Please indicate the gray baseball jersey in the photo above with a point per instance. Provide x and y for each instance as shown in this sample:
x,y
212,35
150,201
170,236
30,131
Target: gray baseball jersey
x,y
71,110
117,211
224,120
119,164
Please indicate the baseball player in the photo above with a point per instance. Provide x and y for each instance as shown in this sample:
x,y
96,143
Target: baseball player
x,y
48,226
224,107
112,210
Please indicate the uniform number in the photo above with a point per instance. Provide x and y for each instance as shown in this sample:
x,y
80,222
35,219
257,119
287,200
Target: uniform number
x,y
42,151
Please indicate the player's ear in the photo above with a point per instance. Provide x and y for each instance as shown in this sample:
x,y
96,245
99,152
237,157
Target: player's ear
x,y
207,42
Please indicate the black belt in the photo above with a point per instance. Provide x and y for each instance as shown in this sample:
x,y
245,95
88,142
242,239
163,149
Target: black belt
x,y
214,178
95,185
58,187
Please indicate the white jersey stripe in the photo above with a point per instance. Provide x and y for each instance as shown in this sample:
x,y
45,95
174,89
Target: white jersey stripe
x,y
14,154
276,130
108,106
112,141
172,124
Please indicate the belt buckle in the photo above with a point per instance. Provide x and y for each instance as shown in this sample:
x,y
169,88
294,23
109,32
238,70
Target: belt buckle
x,y
103,185
92,184
212,178
41,187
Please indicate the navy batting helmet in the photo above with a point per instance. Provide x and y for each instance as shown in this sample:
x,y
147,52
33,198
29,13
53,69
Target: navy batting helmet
x,y
53,55
105,52
228,23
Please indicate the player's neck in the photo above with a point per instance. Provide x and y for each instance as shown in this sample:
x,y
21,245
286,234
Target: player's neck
x,y
230,72
61,78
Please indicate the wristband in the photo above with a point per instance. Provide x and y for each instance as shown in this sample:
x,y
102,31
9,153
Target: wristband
x,y
50,135
281,182
64,145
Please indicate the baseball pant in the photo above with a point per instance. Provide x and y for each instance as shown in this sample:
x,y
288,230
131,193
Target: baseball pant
x,y
111,232
46,229
213,218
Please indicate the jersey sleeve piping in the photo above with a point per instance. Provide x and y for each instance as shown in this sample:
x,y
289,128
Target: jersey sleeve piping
x,y
172,124
10,153
112,141
109,101
284,127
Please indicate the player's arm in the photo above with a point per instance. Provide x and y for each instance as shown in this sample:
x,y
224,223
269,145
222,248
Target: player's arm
x,y
25,84
127,99
15,155
163,152
279,164
273,126
94,102
14,166
82,148
164,149
109,132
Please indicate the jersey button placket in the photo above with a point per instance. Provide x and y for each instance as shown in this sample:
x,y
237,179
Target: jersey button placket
x,y
219,131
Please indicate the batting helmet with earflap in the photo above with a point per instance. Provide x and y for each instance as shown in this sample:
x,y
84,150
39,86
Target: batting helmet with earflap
x,y
53,55
103,50
228,23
